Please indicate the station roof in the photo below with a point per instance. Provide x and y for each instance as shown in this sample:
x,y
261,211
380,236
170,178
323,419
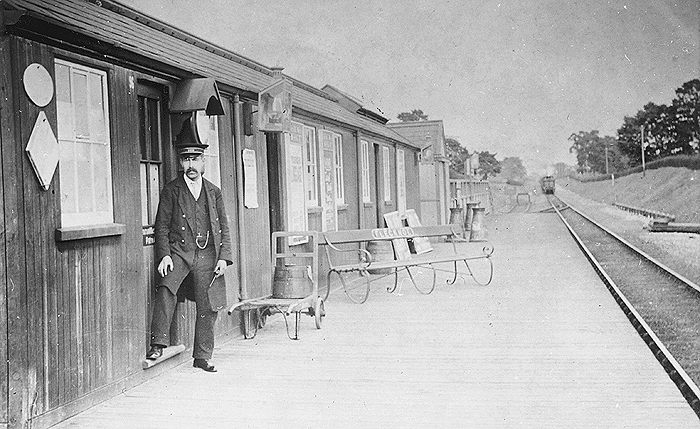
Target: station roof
x,y
422,133
122,32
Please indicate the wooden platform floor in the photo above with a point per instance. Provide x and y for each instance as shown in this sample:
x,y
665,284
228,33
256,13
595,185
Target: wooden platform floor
x,y
544,346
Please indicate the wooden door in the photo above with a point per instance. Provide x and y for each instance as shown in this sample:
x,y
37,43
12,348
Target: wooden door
x,y
153,135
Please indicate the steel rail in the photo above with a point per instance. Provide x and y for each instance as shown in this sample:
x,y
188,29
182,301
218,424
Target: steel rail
x,y
678,375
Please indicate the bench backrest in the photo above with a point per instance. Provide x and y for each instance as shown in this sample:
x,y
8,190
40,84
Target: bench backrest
x,y
378,234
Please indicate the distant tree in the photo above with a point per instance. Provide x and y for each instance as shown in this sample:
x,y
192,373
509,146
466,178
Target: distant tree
x,y
488,165
412,116
512,168
563,170
686,110
456,153
660,134
594,151
582,142
668,130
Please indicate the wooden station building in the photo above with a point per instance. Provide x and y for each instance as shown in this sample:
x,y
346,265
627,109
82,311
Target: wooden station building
x,y
93,96
434,168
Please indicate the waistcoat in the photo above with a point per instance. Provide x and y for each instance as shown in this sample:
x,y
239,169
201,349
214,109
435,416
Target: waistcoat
x,y
201,221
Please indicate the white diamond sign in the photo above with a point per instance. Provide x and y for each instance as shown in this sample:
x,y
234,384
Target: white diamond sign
x,y
42,150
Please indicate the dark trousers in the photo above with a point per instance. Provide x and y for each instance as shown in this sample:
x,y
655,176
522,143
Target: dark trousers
x,y
165,302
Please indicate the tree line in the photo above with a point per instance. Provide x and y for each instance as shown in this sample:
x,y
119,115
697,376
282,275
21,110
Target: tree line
x,y
665,130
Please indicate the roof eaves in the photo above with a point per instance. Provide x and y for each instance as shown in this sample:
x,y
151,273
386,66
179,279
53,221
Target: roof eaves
x,y
199,42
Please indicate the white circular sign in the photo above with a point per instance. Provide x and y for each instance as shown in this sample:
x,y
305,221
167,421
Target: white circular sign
x,y
38,84
203,126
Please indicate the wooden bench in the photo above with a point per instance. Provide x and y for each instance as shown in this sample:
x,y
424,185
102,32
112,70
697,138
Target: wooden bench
x,y
365,265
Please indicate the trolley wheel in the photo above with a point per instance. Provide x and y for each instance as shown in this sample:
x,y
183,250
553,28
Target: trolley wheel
x,y
319,312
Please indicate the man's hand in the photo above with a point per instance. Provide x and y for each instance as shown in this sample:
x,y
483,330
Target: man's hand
x,y
220,267
166,264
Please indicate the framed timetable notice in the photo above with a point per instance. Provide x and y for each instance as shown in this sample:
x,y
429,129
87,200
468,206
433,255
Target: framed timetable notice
x,y
401,249
420,244
294,185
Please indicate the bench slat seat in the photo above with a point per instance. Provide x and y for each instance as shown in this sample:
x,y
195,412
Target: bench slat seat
x,y
419,261
366,266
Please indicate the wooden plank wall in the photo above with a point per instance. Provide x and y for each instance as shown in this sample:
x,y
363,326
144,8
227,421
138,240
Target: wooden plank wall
x,y
124,293
76,319
412,179
8,210
349,218
31,268
229,190
257,228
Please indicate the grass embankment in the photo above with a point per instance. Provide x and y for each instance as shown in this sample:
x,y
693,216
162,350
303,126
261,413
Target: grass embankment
x,y
671,190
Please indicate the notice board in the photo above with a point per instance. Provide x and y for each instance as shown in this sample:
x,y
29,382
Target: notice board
x,y
401,249
420,244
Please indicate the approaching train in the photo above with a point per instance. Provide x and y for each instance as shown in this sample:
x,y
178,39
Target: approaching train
x,y
547,184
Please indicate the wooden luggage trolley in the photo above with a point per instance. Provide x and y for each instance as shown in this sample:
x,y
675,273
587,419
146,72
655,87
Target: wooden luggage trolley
x,y
294,284
360,271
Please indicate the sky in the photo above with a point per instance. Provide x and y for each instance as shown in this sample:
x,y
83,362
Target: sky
x,y
515,78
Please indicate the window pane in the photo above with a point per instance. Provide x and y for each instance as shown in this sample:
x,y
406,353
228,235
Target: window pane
x,y
80,105
212,172
83,124
154,128
154,191
69,183
311,167
143,125
144,195
212,168
386,174
339,185
85,176
103,185
64,110
97,110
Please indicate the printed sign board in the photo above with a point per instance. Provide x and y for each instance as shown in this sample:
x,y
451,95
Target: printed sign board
x,y
401,249
294,184
420,244
275,107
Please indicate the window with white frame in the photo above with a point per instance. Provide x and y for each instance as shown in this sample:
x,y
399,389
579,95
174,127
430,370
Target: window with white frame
x,y
401,180
208,130
85,166
310,166
366,198
386,173
339,182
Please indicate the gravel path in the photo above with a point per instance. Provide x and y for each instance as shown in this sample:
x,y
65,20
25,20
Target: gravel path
x,y
678,251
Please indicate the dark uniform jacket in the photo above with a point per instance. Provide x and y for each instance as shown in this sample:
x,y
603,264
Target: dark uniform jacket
x,y
174,236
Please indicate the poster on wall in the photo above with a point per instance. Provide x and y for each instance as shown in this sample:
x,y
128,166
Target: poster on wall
x,y
294,185
330,214
250,179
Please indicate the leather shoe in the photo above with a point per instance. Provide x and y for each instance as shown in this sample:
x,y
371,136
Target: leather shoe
x,y
155,352
203,364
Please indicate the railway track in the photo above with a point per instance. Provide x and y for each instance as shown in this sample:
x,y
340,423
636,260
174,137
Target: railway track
x,y
522,203
661,304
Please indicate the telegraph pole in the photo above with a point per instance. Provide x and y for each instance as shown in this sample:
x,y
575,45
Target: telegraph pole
x,y
643,166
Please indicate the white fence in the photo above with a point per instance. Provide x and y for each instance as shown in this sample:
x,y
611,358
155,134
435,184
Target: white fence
x,y
463,191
